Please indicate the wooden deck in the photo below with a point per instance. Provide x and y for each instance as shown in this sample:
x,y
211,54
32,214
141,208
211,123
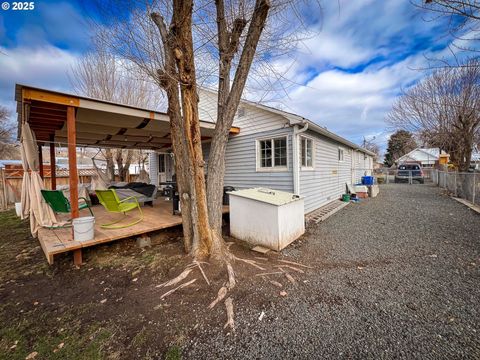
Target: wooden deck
x,y
158,217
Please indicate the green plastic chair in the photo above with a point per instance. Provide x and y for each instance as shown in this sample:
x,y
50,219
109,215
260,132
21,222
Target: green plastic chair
x,y
110,201
60,204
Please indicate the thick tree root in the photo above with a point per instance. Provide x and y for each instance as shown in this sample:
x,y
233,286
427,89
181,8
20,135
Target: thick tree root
x,y
177,288
177,279
229,307
222,292
231,277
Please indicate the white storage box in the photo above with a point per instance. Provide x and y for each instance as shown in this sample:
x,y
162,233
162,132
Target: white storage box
x,y
266,217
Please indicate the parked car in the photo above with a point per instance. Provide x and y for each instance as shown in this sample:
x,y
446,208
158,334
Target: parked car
x,y
406,172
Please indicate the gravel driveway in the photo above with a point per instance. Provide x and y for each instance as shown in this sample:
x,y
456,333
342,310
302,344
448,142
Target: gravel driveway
x,y
396,276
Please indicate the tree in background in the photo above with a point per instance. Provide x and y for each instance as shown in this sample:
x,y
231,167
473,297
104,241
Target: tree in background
x,y
372,146
100,75
400,143
8,150
444,110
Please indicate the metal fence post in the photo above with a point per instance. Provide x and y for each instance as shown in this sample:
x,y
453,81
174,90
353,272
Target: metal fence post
x,y
474,187
455,182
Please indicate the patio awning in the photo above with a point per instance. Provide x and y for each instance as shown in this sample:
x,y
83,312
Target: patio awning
x,y
98,123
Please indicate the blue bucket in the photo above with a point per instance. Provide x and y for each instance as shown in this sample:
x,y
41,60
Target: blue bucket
x,y
368,180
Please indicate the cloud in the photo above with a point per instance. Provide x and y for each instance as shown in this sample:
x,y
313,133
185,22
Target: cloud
x,y
44,67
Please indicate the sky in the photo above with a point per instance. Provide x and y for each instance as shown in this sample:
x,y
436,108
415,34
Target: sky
x,y
345,77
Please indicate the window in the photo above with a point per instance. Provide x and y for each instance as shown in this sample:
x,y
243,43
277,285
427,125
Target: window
x,y
340,154
306,148
272,153
161,163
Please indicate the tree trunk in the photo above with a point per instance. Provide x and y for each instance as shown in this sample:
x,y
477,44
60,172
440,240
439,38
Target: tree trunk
x,y
229,98
204,244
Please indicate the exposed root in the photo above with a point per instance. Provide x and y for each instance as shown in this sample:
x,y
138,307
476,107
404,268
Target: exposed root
x,y
203,273
222,292
177,288
295,263
291,267
270,273
229,307
276,283
231,277
261,258
290,278
250,262
177,279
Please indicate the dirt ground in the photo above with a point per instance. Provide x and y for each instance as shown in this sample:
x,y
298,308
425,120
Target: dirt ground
x,y
393,277
110,307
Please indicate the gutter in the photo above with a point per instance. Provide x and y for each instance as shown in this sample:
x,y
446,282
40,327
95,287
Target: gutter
x,y
295,150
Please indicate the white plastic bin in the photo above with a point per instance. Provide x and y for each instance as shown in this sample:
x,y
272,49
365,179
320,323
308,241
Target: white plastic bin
x,y
83,228
266,217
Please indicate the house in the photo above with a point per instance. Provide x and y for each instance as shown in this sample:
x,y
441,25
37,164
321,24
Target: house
x,y
262,154
426,157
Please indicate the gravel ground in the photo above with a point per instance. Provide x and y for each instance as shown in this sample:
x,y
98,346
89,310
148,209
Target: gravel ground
x,y
395,277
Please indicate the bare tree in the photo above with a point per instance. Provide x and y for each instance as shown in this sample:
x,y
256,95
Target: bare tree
x,y
463,18
444,110
8,150
102,76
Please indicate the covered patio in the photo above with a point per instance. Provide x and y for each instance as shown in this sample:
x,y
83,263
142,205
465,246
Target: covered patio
x,y
65,120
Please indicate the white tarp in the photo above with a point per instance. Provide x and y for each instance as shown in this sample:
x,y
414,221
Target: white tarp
x,y
40,213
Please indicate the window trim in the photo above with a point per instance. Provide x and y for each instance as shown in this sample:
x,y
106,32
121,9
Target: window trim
x,y
272,168
302,167
343,154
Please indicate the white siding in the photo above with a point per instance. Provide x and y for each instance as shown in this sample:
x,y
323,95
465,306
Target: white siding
x,y
240,159
327,181
252,121
153,168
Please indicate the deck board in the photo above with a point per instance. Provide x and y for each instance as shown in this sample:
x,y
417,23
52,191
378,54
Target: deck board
x,y
158,217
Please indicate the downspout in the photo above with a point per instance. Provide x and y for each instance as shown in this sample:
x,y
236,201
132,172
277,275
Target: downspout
x,y
295,150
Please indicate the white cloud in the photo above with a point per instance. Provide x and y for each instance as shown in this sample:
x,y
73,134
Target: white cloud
x,y
44,67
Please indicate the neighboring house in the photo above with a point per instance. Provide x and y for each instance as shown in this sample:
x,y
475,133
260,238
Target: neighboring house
x,y
426,157
262,154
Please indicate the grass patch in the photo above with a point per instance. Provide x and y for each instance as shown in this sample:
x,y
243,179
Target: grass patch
x,y
173,353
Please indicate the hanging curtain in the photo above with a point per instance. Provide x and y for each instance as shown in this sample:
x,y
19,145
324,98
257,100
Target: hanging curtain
x,y
40,213
25,195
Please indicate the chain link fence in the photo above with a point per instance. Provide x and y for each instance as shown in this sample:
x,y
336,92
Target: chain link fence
x,y
462,185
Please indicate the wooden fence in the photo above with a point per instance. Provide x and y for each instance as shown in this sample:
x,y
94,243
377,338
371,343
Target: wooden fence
x,y
11,182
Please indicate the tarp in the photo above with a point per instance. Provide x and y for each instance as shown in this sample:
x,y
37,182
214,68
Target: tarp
x,y
40,213
100,179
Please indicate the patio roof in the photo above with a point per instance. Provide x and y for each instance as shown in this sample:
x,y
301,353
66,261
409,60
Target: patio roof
x,y
99,123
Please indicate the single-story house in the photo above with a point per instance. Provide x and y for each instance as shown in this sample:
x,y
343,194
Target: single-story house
x,y
426,157
262,154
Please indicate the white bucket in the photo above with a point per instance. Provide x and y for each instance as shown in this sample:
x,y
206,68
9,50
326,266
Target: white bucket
x,y
83,228
18,209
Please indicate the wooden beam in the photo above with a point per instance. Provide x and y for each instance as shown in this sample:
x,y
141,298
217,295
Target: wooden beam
x,y
53,172
40,160
73,174
234,130
51,97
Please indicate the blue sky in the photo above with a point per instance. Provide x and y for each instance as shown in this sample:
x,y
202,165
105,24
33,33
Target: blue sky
x,y
344,78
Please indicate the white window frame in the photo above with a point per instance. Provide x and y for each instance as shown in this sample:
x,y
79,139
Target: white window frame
x,y
272,168
343,154
304,167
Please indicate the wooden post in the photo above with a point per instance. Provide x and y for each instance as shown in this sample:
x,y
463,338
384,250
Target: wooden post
x,y
53,173
73,173
40,160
